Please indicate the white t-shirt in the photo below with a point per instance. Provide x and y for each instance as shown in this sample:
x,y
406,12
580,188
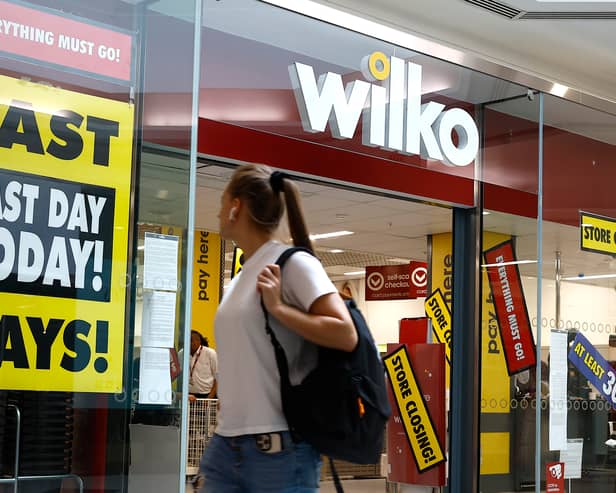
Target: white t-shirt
x,y
248,378
203,368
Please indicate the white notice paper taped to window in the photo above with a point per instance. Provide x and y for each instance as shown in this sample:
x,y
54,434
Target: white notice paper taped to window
x,y
572,457
160,262
158,320
558,390
154,376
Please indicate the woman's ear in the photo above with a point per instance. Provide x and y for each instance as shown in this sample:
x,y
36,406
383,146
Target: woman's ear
x,y
235,209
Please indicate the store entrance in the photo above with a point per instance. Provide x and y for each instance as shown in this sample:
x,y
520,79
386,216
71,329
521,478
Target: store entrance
x,y
374,247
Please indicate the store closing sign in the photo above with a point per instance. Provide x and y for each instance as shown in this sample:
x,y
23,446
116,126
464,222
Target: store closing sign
x,y
438,312
418,424
597,233
510,306
65,174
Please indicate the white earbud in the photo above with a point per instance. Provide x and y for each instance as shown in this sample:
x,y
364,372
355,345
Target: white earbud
x,y
232,214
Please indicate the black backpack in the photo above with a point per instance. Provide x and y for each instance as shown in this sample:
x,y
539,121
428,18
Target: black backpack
x,y
341,407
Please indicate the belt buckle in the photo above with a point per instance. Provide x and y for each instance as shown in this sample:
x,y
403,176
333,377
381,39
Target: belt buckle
x,y
269,443
264,442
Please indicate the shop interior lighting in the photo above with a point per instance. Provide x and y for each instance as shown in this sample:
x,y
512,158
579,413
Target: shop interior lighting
x,y
582,277
559,90
336,250
355,273
513,262
333,234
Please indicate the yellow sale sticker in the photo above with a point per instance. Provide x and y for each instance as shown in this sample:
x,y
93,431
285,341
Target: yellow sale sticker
x,y
597,233
439,313
65,184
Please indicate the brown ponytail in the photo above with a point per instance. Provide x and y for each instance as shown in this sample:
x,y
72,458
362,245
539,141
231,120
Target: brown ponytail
x,y
295,215
260,189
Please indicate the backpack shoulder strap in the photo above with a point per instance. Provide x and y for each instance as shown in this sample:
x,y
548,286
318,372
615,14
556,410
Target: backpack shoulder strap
x,y
284,256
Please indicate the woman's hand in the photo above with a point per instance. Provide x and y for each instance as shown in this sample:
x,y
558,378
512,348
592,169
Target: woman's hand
x,y
269,286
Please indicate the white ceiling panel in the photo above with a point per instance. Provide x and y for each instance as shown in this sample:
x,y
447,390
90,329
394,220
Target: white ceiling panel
x,y
384,228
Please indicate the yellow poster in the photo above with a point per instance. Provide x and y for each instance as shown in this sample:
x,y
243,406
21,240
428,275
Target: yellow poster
x,y
495,392
441,279
495,396
65,183
418,425
206,282
597,233
238,261
438,312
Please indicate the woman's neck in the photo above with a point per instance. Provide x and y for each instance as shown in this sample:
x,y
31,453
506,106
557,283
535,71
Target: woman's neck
x,y
252,242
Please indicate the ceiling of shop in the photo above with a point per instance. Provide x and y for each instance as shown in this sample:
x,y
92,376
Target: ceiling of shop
x,y
386,230
576,52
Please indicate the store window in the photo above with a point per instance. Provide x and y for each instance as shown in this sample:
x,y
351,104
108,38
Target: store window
x,y
256,107
578,321
83,84
509,272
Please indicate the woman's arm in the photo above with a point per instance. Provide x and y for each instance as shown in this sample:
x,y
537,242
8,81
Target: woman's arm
x,y
327,323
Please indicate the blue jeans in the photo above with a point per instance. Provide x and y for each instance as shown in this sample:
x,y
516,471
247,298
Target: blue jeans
x,y
236,465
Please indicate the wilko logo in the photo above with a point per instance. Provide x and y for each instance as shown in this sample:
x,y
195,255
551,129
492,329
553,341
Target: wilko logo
x,y
393,116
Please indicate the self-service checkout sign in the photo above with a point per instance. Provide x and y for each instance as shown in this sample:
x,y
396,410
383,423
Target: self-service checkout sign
x,y
597,233
396,282
418,424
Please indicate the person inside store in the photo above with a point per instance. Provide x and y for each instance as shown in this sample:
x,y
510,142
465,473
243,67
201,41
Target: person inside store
x,y
203,368
252,449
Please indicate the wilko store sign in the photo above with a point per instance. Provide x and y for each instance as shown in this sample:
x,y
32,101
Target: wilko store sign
x,y
57,40
394,117
396,282
510,306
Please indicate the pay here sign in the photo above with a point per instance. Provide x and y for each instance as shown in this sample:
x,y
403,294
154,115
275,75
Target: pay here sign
x,y
65,174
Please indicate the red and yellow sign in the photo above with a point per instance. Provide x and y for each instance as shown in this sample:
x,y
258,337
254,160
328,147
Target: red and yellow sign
x,y
495,398
510,304
65,184
418,425
68,42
